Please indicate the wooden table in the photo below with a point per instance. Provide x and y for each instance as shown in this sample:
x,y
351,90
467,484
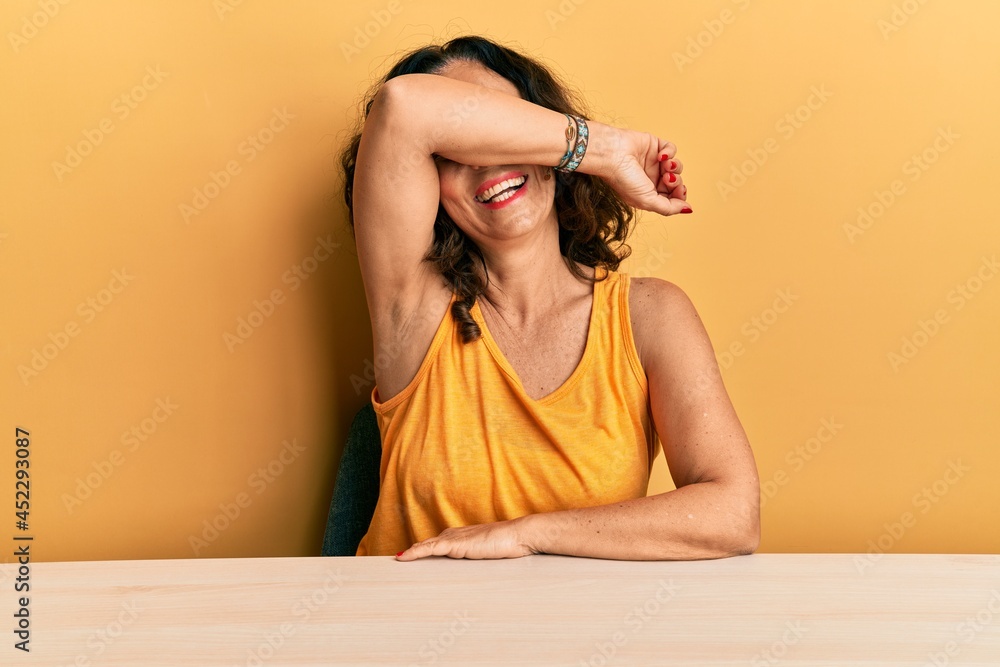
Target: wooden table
x,y
764,609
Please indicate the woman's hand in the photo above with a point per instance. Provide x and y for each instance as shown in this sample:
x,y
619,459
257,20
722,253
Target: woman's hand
x,y
488,540
645,172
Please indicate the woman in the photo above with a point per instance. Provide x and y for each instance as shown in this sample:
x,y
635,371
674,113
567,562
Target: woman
x,y
520,377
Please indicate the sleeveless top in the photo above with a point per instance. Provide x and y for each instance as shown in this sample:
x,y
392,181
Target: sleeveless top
x,y
464,444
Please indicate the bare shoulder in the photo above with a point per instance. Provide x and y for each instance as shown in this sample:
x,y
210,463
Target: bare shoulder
x,y
664,320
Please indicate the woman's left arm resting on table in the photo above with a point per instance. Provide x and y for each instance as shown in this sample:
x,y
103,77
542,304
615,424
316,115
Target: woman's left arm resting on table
x,y
715,510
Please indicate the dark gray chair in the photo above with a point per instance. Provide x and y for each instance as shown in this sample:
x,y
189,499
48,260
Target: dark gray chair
x,y
356,489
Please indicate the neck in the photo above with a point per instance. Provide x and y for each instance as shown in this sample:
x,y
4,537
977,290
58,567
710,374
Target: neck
x,y
529,277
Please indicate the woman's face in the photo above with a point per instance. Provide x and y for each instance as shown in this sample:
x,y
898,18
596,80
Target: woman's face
x,y
498,219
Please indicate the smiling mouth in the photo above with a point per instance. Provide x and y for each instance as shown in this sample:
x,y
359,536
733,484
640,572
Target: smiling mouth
x,y
502,191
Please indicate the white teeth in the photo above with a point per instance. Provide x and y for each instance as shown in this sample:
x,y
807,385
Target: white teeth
x,y
499,187
504,197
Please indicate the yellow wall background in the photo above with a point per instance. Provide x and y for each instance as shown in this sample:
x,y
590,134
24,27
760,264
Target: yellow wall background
x,y
146,421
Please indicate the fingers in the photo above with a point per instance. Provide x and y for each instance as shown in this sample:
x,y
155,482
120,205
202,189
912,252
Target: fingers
x,y
671,184
421,550
452,542
493,540
671,181
435,546
672,166
665,205
670,171
667,151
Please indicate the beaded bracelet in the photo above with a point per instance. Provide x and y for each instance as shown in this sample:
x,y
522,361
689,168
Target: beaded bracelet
x,y
570,136
574,156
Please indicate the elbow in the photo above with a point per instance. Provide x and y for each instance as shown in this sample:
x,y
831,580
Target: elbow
x,y
748,541
738,538
387,98
398,93
744,538
745,526
741,535
720,543
399,111
736,542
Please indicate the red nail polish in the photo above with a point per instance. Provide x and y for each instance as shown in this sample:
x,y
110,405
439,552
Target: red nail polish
x,y
686,210
673,165
399,554
663,157
672,178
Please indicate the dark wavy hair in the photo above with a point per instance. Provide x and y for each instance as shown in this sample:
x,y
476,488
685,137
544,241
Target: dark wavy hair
x,y
592,217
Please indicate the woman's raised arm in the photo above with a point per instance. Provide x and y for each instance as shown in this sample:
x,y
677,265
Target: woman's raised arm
x,y
415,116
396,189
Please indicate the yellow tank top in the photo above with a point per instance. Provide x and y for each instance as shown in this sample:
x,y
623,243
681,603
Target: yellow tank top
x,y
464,444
